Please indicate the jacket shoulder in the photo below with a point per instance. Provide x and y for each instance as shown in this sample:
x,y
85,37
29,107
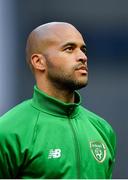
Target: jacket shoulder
x,y
96,119
18,117
100,124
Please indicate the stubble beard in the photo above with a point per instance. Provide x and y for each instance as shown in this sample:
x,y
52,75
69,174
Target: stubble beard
x,y
66,82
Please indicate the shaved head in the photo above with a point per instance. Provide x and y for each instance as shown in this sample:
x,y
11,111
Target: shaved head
x,y
41,37
56,54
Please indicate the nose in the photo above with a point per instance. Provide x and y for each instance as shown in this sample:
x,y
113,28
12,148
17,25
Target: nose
x,y
82,57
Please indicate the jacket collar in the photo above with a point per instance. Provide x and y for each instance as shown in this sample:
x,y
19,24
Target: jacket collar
x,y
53,106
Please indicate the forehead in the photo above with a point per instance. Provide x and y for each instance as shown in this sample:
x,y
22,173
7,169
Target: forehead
x,y
62,34
68,33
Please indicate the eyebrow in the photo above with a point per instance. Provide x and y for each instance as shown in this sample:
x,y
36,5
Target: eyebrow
x,y
73,44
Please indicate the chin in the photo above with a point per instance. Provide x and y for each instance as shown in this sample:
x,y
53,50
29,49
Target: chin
x,y
79,86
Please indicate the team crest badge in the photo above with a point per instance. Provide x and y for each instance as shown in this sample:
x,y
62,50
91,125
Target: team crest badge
x,y
98,150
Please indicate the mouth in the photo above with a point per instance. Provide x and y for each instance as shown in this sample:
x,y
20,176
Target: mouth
x,y
83,69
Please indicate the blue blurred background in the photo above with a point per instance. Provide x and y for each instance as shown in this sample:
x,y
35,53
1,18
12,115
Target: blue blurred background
x,y
104,25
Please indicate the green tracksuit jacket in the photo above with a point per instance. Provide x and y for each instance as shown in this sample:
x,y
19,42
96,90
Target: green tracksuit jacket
x,y
46,138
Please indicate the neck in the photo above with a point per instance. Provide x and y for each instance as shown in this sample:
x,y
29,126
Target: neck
x,y
66,96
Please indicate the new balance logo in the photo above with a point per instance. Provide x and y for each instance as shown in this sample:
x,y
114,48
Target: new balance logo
x,y
54,153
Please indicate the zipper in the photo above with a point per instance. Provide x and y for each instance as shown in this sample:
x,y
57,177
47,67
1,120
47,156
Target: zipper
x,y
77,151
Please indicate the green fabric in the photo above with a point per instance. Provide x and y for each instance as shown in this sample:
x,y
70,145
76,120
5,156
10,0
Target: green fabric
x,y
46,138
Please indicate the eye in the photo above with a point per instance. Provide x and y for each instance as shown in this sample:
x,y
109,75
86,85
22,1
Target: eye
x,y
84,50
69,49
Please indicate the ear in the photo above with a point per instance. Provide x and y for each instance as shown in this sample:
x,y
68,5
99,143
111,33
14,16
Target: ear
x,y
38,62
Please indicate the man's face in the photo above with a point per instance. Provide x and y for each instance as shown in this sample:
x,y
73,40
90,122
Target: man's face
x,y
66,60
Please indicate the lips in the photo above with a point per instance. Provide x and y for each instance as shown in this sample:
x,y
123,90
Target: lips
x,y
84,68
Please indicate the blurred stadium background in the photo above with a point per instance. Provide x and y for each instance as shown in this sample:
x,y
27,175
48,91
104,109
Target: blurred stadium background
x,y
104,25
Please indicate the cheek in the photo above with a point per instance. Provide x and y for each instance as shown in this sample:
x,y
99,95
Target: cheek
x,y
59,62
55,63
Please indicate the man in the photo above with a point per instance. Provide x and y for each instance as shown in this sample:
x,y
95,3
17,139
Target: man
x,y
52,135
